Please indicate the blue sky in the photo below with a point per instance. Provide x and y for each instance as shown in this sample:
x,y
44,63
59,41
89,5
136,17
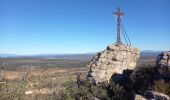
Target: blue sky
x,y
80,26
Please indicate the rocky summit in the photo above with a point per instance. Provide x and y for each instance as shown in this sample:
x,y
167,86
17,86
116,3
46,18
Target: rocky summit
x,y
115,59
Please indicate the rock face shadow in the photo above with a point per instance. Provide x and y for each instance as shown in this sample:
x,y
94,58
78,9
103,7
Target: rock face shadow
x,y
121,78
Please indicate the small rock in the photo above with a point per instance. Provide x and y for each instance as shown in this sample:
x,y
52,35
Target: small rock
x,y
152,95
139,97
28,92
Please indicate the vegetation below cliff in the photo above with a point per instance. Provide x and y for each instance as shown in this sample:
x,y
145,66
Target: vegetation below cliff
x,y
123,88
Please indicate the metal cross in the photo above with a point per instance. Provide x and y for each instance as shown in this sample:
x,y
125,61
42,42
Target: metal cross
x,y
118,14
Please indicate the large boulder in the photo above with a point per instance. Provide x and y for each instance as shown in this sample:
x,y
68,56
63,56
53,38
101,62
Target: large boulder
x,y
163,59
115,59
163,63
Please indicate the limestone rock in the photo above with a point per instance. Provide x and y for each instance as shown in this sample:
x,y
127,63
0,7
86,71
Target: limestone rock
x,y
139,97
163,63
152,95
114,59
163,59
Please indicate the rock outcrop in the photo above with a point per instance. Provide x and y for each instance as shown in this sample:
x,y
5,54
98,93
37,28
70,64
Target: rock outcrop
x,y
115,59
163,63
163,59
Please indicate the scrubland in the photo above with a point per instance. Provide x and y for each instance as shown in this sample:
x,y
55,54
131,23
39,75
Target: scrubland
x,y
65,79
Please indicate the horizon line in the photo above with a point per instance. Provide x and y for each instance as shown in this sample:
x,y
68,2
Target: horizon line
x,y
31,54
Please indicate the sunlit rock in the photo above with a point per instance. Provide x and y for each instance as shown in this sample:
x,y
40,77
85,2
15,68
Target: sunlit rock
x,y
114,59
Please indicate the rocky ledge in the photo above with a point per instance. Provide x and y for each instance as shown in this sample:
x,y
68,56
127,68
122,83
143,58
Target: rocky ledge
x,y
115,59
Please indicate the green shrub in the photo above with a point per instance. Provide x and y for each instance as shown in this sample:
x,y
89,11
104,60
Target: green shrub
x,y
4,96
86,91
143,78
162,86
116,91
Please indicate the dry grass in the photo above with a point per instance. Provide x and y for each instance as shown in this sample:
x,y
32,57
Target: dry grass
x,y
17,75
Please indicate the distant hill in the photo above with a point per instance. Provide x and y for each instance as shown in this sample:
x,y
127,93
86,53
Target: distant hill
x,y
71,56
53,56
151,51
7,55
64,56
